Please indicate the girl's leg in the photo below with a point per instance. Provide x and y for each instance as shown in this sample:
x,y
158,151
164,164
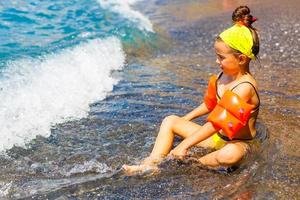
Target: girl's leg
x,y
231,154
171,126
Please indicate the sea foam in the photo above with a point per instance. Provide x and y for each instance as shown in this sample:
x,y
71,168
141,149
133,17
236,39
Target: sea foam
x,y
124,8
38,93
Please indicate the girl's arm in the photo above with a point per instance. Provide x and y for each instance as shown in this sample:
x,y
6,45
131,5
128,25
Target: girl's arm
x,y
203,133
197,112
245,91
210,97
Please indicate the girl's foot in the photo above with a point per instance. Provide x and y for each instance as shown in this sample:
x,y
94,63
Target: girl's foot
x,y
148,165
137,169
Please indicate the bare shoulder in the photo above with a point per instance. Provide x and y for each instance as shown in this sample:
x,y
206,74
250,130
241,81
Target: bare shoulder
x,y
246,87
251,79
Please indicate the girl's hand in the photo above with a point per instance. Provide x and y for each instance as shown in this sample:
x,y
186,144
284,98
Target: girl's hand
x,y
179,152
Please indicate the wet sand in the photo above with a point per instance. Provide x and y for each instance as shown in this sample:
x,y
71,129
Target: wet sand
x,y
80,159
192,27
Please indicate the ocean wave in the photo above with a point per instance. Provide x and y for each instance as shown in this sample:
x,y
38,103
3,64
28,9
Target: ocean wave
x,y
38,93
123,7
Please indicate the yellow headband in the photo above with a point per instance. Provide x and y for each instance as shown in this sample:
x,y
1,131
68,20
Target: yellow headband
x,y
239,37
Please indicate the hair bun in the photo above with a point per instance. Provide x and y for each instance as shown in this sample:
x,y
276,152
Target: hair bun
x,y
242,14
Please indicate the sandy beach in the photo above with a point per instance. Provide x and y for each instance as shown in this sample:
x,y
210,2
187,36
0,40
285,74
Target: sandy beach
x,y
97,81
193,25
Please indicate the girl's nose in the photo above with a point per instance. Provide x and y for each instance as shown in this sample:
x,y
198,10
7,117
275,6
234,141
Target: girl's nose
x,y
217,61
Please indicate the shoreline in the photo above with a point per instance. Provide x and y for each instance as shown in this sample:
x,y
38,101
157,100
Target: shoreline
x,y
163,75
277,71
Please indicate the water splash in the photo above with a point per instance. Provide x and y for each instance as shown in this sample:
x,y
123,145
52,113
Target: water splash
x,y
37,93
89,166
123,7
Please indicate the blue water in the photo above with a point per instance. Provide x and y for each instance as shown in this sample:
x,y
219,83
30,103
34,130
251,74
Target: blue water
x,y
56,58
75,105
31,28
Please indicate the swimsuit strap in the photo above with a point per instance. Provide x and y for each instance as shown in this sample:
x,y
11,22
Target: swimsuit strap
x,y
256,108
219,76
218,96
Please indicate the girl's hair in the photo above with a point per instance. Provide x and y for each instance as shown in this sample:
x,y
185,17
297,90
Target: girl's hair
x,y
242,15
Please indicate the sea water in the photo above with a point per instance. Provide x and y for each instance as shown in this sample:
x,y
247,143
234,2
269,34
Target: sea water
x,y
57,58
76,104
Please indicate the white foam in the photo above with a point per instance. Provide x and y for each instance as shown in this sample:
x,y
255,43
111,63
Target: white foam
x,y
37,93
123,7
89,166
5,188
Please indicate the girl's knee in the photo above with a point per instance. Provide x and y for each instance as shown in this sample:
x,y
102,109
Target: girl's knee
x,y
170,120
230,154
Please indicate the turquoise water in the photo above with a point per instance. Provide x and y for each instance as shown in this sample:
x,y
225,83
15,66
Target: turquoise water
x,y
57,58
78,99
31,28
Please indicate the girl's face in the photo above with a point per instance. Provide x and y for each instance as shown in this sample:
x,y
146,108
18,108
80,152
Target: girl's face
x,y
226,59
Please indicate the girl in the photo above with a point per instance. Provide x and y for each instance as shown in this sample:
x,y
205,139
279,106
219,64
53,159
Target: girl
x,y
231,103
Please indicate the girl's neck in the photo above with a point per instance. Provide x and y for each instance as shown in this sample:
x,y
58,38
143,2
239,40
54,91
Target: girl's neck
x,y
244,71
235,77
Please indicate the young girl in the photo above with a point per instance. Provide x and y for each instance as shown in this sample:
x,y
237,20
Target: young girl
x,y
231,102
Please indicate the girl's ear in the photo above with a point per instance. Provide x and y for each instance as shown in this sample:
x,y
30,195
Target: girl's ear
x,y
243,59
